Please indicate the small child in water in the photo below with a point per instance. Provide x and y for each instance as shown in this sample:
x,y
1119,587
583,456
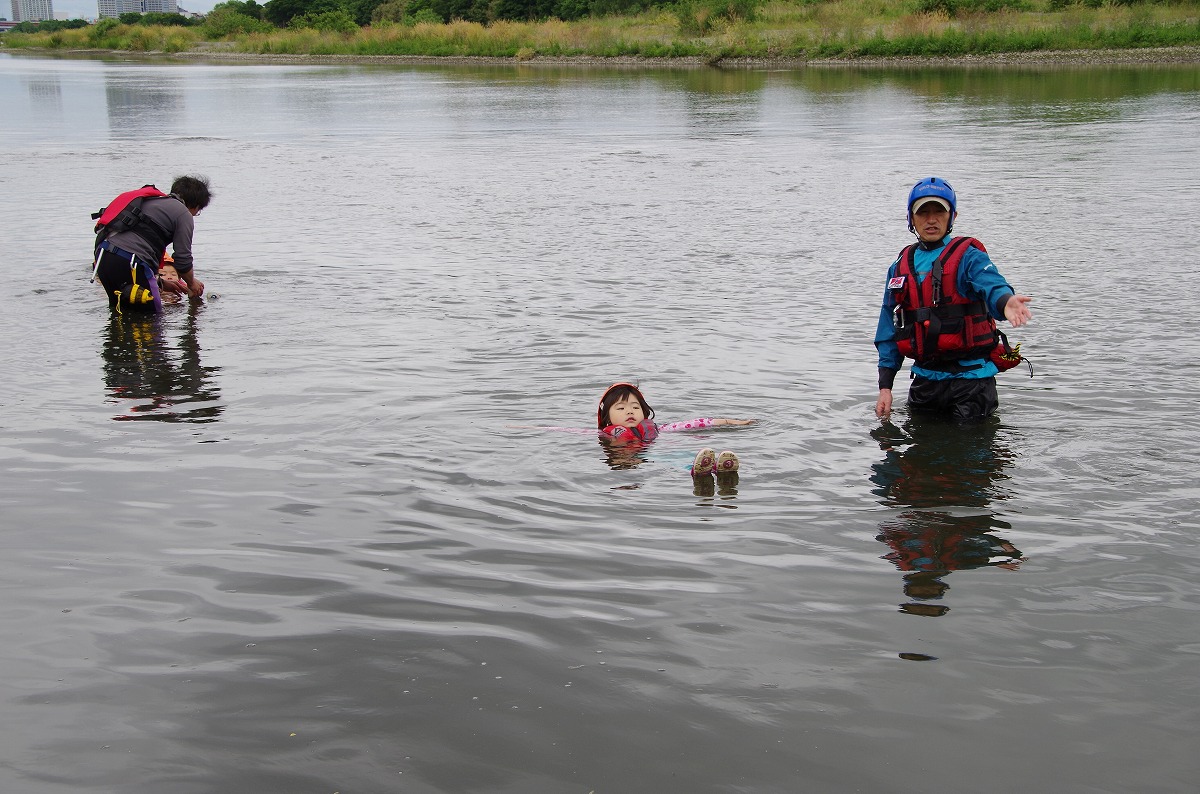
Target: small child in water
x,y
624,416
167,274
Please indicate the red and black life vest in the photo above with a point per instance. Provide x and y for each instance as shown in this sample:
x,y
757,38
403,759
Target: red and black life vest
x,y
124,214
934,323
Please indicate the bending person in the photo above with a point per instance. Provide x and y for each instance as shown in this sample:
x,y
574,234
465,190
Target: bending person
x,y
132,235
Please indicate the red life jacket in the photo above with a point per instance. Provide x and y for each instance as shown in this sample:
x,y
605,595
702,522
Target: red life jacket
x,y
124,213
933,322
644,430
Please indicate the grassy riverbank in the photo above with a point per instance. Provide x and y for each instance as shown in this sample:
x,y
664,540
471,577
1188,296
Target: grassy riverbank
x,y
802,30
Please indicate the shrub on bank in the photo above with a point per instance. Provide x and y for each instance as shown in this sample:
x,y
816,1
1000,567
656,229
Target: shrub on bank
x,y
222,23
404,12
956,8
110,34
698,17
338,21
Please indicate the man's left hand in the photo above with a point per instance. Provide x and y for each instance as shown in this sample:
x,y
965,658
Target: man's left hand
x,y
1016,312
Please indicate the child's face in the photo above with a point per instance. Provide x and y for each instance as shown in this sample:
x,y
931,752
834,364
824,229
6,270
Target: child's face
x,y
168,271
627,413
932,221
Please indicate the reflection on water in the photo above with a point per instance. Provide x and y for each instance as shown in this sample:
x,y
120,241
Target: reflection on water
x,y
1037,86
948,475
626,455
155,378
139,108
623,455
45,91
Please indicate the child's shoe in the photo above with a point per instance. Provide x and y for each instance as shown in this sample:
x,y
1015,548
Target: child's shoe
x,y
704,464
727,463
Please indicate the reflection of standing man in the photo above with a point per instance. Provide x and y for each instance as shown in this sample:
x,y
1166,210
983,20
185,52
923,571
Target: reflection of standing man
x,y
132,234
928,546
942,470
940,308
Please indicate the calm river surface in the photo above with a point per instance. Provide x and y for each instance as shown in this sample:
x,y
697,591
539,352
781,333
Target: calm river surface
x,y
287,539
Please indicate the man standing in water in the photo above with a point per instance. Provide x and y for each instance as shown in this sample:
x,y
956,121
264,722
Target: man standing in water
x,y
133,233
940,307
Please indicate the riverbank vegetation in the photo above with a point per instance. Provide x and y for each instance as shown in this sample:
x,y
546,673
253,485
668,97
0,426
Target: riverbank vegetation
x,y
711,29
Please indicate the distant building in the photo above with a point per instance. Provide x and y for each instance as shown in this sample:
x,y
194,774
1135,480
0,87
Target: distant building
x,y
32,10
111,9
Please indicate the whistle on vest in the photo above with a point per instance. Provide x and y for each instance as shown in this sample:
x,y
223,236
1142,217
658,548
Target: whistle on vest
x,y
898,317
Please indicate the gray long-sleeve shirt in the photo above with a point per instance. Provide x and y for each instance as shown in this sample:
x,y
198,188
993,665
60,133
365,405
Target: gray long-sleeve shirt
x,y
171,214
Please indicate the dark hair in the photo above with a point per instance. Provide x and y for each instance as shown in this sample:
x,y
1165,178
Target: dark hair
x,y
193,191
615,394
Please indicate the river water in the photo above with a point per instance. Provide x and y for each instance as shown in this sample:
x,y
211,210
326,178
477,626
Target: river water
x,y
308,536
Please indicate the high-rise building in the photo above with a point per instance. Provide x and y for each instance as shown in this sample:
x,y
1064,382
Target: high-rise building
x,y
114,8
32,10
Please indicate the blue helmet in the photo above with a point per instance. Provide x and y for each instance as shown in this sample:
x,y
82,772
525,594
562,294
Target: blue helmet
x,y
932,187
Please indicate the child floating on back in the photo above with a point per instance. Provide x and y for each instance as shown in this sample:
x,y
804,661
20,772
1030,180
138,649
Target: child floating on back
x,y
170,285
624,417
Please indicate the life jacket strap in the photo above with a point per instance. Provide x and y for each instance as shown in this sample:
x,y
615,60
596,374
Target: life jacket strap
x,y
121,252
945,311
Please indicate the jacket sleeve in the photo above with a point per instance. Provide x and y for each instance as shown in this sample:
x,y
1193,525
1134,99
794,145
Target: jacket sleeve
x,y
979,277
181,244
885,336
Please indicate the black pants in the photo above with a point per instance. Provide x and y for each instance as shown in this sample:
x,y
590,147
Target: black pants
x,y
963,399
129,282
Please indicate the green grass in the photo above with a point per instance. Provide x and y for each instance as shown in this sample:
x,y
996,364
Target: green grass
x,y
804,29
129,38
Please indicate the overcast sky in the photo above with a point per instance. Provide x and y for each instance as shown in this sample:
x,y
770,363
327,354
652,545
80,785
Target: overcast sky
x,y
88,9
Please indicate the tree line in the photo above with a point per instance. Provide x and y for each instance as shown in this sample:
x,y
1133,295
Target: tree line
x,y
360,13
248,16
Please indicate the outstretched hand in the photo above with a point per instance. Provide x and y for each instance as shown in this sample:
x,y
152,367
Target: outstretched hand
x,y
1016,312
739,422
